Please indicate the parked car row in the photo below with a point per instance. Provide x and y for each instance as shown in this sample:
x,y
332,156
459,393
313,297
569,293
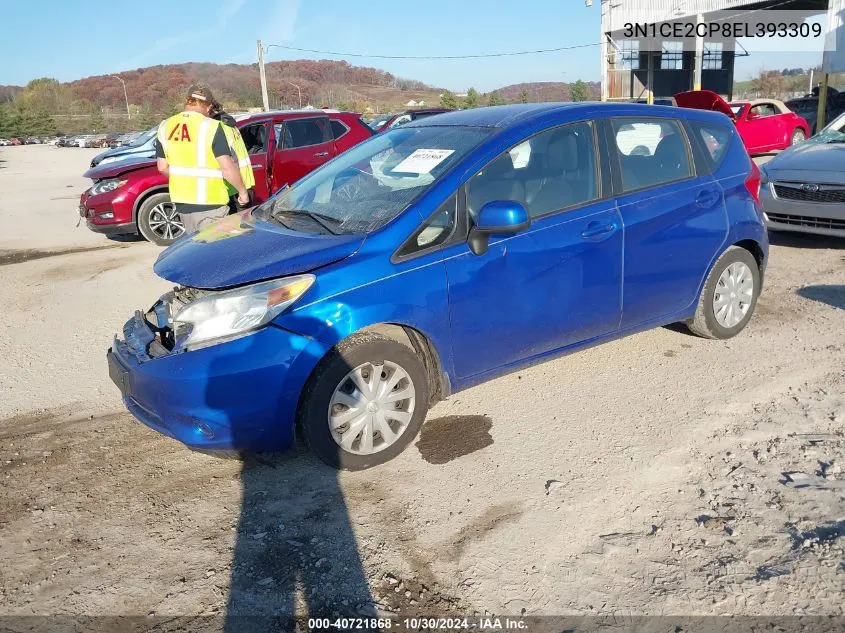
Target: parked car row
x,y
129,196
29,140
90,140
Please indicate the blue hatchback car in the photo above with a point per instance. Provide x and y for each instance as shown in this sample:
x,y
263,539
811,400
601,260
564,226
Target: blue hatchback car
x,y
437,256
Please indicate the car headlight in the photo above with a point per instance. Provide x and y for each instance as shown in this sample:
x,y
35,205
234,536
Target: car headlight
x,y
228,314
104,186
110,159
764,176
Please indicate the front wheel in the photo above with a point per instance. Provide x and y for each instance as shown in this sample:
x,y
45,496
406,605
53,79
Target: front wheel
x,y
729,296
798,136
158,221
364,403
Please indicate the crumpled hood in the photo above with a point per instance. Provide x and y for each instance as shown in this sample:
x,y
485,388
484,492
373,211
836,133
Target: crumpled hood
x,y
810,162
241,249
124,152
111,170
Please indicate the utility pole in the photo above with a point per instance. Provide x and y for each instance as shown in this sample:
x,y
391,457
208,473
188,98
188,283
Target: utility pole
x,y
263,76
810,87
120,79
822,111
298,90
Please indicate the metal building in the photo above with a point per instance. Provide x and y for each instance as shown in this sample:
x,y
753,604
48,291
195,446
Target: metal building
x,y
634,68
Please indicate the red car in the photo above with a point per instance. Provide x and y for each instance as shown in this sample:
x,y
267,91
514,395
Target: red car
x,y
131,196
389,121
765,125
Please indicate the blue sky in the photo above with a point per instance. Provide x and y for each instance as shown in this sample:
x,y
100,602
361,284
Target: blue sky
x,y
58,38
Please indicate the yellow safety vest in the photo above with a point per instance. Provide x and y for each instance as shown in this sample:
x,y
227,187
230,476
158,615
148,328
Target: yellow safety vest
x,y
240,156
195,175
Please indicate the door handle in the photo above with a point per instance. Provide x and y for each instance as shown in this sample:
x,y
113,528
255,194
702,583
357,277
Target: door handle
x,y
257,167
597,230
321,154
707,198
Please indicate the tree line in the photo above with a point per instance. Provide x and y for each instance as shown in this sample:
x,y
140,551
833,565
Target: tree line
x,y
578,91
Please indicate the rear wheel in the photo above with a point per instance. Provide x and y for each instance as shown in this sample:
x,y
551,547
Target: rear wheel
x,y
158,220
364,403
798,136
729,296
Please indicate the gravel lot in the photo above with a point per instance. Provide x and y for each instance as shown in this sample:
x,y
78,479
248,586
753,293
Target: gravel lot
x,y
660,474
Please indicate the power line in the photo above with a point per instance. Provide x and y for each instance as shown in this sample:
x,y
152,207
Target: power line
x,y
481,55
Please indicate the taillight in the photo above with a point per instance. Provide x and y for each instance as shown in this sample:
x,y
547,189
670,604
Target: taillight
x,y
752,183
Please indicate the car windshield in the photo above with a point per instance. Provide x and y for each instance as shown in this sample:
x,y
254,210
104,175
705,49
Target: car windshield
x,y
832,132
736,108
143,138
379,122
372,183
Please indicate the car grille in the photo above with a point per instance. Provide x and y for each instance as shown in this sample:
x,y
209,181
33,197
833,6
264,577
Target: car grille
x,y
824,193
804,220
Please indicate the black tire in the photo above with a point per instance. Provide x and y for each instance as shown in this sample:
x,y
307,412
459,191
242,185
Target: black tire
x,y
144,226
798,136
704,322
312,415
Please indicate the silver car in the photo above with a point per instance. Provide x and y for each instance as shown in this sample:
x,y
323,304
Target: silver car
x,y
803,187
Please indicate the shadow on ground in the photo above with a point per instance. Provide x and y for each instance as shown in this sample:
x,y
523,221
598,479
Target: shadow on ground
x,y
832,294
804,240
295,552
125,238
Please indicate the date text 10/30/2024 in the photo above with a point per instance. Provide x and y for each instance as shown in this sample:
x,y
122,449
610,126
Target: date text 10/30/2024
x,y
417,624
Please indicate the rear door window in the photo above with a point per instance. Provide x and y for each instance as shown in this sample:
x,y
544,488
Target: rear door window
x,y
651,152
305,132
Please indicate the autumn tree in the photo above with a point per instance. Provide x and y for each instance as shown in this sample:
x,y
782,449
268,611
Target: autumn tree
x,y
97,123
471,100
448,100
769,83
580,91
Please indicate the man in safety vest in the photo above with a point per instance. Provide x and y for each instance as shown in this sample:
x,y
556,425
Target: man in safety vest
x,y
239,151
193,152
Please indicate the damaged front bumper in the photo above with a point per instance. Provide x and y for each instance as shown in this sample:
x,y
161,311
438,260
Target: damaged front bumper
x,y
238,395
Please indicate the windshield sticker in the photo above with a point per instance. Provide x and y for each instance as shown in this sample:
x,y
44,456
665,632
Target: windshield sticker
x,y
422,161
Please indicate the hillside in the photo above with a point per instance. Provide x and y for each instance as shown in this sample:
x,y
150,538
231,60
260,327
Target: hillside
x,y
97,104
8,93
161,88
545,91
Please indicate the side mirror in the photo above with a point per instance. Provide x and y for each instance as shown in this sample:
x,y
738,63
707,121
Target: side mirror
x,y
752,115
499,217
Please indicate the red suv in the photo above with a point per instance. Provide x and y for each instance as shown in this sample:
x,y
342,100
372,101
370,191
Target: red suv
x,y
131,196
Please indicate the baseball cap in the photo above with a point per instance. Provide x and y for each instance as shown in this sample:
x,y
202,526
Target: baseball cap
x,y
201,92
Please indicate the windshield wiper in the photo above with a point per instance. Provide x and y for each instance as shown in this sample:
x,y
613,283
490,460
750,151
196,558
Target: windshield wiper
x,y
319,218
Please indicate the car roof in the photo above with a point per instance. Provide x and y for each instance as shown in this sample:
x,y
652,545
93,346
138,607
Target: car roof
x,y
248,116
524,114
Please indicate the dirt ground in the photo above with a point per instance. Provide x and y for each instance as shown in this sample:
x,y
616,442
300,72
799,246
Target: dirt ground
x,y
660,474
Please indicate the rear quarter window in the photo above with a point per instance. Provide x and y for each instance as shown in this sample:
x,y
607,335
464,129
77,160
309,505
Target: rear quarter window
x,y
714,140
